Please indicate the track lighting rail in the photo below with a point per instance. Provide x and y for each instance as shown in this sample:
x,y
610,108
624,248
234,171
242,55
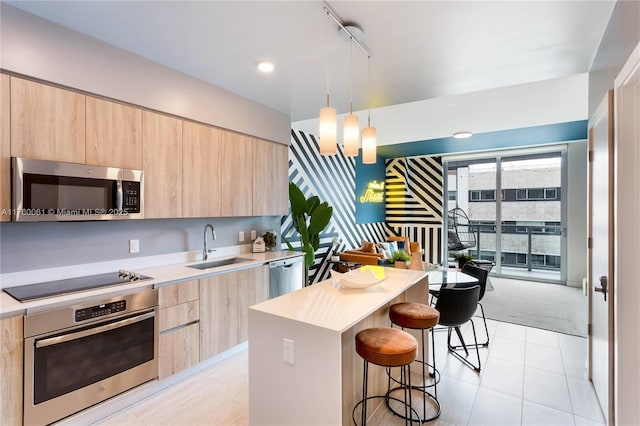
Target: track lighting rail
x,y
338,21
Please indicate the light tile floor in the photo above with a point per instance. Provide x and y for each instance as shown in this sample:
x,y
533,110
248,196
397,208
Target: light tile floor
x,y
529,377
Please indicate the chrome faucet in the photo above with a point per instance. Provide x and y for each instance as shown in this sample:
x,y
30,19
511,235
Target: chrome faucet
x,y
205,252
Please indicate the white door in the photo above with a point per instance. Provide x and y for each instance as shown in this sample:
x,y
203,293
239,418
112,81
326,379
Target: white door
x,y
601,280
627,237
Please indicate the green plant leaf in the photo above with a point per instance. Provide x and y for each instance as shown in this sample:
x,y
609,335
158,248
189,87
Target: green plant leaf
x,y
310,254
400,255
312,203
299,222
320,218
314,241
297,200
289,246
302,229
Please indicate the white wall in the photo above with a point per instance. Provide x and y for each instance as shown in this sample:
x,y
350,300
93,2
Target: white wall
x,y
38,48
576,213
546,102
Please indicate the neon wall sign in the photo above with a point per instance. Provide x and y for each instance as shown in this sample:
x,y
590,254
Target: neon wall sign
x,y
374,192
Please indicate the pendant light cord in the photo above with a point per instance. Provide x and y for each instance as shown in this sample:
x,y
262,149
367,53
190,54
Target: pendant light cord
x,y
369,84
326,50
350,75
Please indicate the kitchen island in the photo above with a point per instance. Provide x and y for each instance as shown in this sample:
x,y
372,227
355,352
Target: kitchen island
x,y
303,367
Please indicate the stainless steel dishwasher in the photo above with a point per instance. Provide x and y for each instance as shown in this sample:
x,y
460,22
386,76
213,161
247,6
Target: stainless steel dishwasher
x,y
285,276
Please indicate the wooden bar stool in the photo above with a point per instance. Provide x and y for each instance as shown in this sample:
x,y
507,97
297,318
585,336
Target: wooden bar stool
x,y
387,347
418,316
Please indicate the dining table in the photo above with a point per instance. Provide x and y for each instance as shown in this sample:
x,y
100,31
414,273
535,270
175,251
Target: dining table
x,y
449,278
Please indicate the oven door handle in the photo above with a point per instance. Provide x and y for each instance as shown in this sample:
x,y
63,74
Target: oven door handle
x,y
84,333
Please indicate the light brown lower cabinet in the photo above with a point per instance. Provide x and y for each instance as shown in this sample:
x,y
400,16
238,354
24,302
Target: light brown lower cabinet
x,y
178,349
224,303
11,362
178,317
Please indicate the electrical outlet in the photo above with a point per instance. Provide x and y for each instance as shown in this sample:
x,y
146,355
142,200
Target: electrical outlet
x,y
134,246
241,236
288,350
253,234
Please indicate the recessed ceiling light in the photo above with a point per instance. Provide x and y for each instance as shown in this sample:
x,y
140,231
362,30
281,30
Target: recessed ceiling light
x,y
265,66
462,135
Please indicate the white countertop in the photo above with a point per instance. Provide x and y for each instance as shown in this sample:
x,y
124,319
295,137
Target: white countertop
x,y
330,306
162,275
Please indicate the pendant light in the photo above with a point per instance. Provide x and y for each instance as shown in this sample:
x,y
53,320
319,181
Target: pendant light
x,y
328,127
351,122
369,151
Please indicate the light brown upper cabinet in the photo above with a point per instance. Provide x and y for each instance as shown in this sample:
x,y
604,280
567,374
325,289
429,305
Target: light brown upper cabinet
x,y
201,170
190,169
236,174
47,123
270,179
162,165
114,134
5,149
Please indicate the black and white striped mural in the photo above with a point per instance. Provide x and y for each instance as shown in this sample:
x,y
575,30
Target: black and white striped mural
x,y
332,178
414,202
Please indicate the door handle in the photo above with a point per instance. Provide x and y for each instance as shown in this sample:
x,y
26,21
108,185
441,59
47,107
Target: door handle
x,y
603,289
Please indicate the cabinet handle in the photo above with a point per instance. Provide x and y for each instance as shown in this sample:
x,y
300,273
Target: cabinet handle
x,y
179,327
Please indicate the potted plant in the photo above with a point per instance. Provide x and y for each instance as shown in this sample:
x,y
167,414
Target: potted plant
x,y
400,259
309,217
269,238
462,258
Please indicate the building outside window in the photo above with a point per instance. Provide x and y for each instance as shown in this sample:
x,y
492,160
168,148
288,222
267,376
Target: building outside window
x,y
530,209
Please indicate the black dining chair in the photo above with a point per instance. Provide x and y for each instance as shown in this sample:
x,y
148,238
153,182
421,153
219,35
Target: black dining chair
x,y
457,306
481,275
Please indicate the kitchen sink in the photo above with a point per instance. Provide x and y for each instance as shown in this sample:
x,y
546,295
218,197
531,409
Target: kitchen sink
x,y
218,263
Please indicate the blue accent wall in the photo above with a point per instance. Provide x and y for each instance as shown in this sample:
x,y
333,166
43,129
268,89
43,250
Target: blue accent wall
x,y
514,138
365,173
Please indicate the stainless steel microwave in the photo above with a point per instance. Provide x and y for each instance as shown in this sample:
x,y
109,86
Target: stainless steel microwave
x,y
56,191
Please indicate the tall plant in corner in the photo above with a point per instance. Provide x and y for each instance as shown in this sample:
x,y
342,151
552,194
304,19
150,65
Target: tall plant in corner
x,y
310,217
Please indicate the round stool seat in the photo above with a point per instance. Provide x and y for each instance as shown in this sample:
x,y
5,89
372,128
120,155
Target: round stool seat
x,y
388,347
414,315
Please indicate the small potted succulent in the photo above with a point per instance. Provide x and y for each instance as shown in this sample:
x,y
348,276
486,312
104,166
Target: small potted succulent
x,y
400,259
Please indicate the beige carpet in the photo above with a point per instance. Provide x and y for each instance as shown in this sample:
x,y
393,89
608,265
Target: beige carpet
x,y
548,306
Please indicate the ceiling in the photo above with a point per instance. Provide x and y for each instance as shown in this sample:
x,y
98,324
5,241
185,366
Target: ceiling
x,y
421,49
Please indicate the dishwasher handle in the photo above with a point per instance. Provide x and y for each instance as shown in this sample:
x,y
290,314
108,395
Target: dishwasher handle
x,y
284,263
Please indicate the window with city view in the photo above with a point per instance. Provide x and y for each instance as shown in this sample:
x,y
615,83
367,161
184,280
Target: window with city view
x,y
529,237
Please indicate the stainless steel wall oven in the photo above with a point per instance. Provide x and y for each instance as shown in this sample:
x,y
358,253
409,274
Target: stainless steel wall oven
x,y
80,355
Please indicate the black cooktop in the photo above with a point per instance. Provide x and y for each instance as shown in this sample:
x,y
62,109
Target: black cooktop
x,y
29,292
